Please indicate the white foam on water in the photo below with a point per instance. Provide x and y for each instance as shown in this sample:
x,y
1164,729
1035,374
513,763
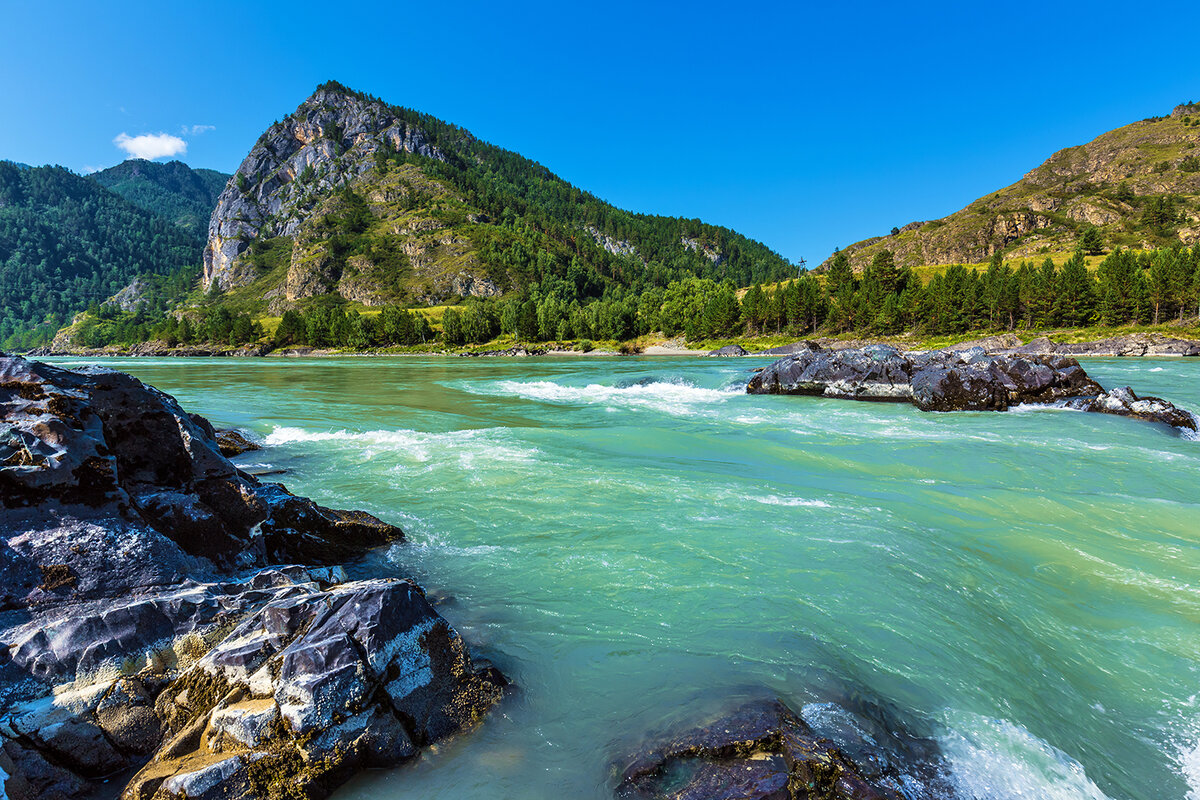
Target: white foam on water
x,y
995,759
1156,369
774,500
679,398
1189,765
468,446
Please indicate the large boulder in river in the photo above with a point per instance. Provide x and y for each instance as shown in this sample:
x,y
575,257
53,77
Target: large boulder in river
x,y
92,454
145,622
762,751
728,351
945,380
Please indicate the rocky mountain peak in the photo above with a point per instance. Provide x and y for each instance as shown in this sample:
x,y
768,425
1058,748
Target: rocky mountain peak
x,y
329,140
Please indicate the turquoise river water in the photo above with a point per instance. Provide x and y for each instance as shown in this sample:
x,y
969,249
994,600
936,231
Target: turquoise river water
x,y
634,539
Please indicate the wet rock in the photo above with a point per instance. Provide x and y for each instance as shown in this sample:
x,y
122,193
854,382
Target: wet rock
x,y
1124,403
963,380
790,349
763,751
728,351
326,682
233,443
516,351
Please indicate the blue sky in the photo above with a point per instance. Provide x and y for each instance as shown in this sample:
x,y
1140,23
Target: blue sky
x,y
805,126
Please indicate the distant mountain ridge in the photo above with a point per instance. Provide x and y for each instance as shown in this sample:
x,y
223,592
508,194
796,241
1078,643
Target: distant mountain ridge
x,y
351,198
184,195
67,242
1138,185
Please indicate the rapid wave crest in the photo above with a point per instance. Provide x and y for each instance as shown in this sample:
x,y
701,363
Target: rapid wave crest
x,y
994,759
487,443
672,396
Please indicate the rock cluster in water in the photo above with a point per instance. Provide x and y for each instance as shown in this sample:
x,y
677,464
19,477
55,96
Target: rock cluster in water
x,y
955,380
762,751
153,616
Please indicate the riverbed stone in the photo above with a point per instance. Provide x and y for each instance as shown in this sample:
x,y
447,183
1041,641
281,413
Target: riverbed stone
x,y
761,751
956,380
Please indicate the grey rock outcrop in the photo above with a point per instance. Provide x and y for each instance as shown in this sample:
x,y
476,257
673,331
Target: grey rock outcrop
x,y
943,380
146,622
330,139
728,351
1132,344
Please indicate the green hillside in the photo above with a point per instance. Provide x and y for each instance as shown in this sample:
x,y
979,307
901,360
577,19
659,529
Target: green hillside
x,y
66,242
1134,187
172,190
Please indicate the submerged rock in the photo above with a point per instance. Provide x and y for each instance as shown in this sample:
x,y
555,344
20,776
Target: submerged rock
x,y
233,443
763,751
141,619
959,380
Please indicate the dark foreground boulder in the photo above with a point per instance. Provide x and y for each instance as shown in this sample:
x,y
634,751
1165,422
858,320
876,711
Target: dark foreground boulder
x,y
763,751
143,626
944,380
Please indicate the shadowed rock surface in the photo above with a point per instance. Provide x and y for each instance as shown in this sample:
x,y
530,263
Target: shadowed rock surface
x,y
762,751
963,380
142,621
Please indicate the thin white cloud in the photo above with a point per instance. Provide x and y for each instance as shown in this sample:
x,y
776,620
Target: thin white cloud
x,y
196,130
151,145
89,169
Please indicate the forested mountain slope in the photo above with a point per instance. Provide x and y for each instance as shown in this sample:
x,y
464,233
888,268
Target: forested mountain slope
x,y
173,190
351,199
67,242
1137,186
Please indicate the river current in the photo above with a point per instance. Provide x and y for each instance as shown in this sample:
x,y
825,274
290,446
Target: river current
x,y
632,540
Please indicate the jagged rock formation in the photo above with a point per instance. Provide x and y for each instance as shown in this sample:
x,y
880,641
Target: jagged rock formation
x,y
329,140
145,622
1132,344
948,380
1110,182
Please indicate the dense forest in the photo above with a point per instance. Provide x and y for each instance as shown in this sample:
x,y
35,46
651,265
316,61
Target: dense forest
x,y
171,190
1128,287
66,242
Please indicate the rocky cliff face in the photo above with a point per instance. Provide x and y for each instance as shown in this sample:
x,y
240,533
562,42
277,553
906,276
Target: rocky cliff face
x,y
329,140
1108,182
